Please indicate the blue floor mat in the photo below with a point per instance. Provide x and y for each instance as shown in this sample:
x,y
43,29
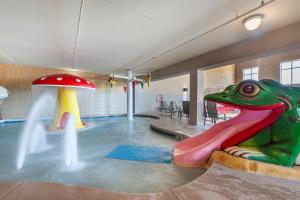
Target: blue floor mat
x,y
141,153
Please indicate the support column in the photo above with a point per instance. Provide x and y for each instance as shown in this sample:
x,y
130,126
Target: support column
x,y
196,97
133,97
129,96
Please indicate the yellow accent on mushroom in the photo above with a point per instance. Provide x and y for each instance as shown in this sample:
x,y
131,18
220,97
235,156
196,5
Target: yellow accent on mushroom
x,y
66,103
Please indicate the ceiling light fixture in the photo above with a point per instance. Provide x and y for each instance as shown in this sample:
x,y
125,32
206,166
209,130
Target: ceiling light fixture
x,y
253,22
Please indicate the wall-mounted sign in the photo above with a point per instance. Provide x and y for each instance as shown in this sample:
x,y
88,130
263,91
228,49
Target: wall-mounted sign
x,y
159,98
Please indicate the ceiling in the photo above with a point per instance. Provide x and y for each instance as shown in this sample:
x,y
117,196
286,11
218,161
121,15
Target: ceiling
x,y
111,36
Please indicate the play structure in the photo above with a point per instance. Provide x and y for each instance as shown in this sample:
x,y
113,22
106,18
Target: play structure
x,y
111,81
66,104
132,81
147,79
266,130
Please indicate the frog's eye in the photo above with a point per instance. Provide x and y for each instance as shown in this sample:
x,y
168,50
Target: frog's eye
x,y
249,89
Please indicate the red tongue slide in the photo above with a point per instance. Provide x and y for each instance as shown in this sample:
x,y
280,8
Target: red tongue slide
x,y
195,151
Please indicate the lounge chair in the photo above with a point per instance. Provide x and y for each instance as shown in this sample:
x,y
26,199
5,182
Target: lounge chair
x,y
185,109
210,111
164,106
174,108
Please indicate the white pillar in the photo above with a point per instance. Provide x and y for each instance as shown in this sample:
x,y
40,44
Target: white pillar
x,y
129,96
196,97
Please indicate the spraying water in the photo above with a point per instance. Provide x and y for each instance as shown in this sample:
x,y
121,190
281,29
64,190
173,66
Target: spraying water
x,y
38,141
70,144
33,136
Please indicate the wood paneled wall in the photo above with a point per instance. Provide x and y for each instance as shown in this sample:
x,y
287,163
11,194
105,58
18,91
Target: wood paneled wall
x,y
20,77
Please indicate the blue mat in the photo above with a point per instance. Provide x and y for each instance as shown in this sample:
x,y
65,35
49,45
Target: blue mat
x,y
141,153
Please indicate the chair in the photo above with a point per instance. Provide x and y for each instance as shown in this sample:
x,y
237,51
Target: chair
x,y
174,108
178,107
185,109
210,110
164,106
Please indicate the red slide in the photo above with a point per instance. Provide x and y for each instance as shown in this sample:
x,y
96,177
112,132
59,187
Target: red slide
x,y
195,151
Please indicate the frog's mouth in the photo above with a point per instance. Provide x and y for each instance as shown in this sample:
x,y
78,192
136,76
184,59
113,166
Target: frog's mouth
x,y
195,151
251,120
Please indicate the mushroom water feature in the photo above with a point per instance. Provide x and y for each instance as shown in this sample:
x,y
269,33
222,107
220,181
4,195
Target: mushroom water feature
x,y
67,103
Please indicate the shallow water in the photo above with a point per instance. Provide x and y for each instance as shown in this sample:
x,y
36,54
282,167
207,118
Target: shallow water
x,y
102,136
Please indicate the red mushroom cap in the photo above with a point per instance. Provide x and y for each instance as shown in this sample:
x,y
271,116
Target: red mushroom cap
x,y
64,80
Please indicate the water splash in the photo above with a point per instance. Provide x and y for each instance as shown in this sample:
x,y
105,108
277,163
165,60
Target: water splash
x,y
33,138
70,144
71,161
38,141
34,132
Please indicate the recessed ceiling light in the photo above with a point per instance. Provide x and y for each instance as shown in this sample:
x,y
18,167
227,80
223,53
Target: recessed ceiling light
x,y
251,23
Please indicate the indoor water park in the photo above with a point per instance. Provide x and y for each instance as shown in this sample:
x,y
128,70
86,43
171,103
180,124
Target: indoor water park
x,y
160,100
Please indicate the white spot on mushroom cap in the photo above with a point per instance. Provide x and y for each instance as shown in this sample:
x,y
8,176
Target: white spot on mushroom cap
x,y
88,82
77,80
59,78
43,78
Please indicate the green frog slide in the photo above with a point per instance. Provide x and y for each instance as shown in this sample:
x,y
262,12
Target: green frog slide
x,y
267,128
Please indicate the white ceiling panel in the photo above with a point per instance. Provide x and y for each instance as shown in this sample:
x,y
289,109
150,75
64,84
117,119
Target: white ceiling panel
x,y
278,14
40,33
131,30
115,35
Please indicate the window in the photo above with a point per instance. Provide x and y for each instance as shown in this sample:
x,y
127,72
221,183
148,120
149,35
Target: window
x,y
290,72
250,73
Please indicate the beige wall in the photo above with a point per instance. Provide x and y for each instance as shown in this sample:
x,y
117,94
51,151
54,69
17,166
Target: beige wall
x,y
205,82
269,66
217,79
170,88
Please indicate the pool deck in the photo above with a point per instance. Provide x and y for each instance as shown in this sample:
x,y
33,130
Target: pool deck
x,y
175,126
218,182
